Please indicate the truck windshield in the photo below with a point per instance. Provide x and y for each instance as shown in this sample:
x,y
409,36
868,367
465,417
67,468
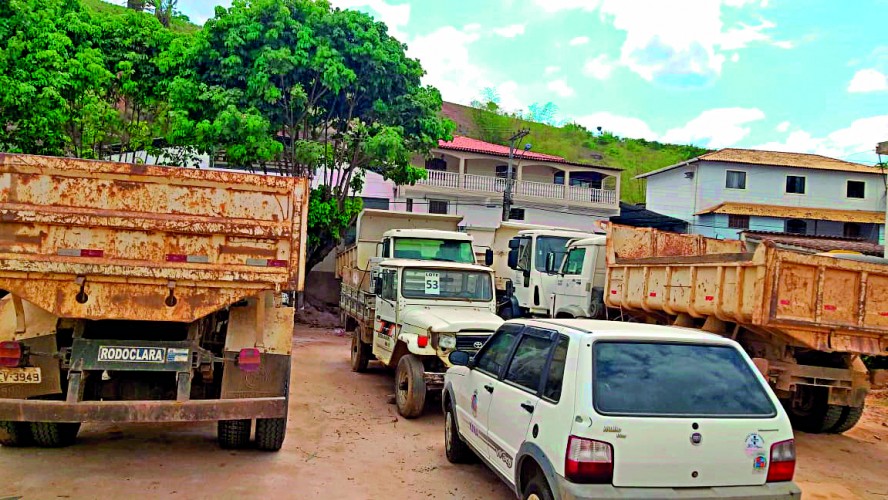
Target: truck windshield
x,y
573,264
546,244
678,380
446,284
423,249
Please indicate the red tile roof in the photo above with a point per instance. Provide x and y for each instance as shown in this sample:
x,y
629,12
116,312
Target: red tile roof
x,y
462,143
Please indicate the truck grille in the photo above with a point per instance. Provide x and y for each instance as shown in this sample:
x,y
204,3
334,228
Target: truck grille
x,y
470,342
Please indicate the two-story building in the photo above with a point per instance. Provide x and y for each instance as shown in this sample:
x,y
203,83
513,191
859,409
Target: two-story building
x,y
468,177
731,190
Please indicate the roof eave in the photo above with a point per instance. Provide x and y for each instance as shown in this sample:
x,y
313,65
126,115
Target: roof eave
x,y
685,163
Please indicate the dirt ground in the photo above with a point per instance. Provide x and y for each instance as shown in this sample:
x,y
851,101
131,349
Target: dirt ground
x,y
345,441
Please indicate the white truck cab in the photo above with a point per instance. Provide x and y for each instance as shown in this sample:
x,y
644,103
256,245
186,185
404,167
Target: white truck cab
x,y
580,280
427,244
596,409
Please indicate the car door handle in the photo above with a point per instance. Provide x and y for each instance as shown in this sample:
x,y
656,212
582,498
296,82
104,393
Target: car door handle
x,y
489,388
528,407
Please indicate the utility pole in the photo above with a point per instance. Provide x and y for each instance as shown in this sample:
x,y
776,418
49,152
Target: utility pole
x,y
507,193
882,149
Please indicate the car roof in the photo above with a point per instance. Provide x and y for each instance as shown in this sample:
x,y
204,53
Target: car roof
x,y
624,330
433,264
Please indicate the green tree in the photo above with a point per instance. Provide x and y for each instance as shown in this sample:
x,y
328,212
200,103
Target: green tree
x,y
311,91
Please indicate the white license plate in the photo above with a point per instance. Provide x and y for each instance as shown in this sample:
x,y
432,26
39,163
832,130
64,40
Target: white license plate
x,y
20,375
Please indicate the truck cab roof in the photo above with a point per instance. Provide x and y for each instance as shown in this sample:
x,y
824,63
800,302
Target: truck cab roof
x,y
432,264
430,234
595,240
558,233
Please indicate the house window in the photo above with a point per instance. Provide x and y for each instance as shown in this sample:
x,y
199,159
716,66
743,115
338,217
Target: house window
x,y
852,230
738,221
516,214
796,226
409,204
436,164
502,171
735,179
439,206
856,189
795,184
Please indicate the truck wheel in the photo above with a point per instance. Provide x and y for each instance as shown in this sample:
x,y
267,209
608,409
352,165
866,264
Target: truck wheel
x,y
234,434
270,433
54,434
457,451
15,434
811,413
360,353
850,416
410,389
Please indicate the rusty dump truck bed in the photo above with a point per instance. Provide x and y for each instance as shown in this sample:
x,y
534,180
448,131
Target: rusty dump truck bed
x,y
103,240
810,301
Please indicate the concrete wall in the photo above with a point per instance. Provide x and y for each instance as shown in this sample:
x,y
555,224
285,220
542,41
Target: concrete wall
x,y
672,193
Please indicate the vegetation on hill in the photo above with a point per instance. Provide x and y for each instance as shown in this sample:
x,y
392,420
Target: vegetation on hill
x,y
179,23
488,122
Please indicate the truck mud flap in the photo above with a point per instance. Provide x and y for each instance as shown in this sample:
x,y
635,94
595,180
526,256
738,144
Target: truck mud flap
x,y
17,410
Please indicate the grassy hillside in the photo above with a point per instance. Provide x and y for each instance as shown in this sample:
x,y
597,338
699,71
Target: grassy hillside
x,y
105,8
575,143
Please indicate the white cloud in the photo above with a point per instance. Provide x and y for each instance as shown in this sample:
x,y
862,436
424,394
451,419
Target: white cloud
x,y
852,142
715,128
599,68
783,127
561,88
472,27
735,57
623,126
868,80
559,5
510,31
394,16
551,70
580,40
509,98
451,70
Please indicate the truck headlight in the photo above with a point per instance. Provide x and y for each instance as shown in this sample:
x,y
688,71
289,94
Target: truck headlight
x,y
447,341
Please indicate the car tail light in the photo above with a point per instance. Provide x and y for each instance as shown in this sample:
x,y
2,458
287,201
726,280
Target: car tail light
x,y
422,341
588,461
249,359
783,461
10,354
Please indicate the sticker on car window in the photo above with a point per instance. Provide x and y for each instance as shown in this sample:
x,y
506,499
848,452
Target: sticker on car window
x,y
432,283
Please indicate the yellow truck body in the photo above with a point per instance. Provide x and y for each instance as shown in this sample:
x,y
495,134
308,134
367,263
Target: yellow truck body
x,y
84,243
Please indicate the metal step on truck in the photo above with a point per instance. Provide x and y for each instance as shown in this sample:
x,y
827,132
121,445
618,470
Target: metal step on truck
x,y
411,294
806,320
141,293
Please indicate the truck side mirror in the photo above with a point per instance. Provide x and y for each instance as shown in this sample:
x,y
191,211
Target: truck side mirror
x,y
488,257
514,243
513,258
377,285
550,263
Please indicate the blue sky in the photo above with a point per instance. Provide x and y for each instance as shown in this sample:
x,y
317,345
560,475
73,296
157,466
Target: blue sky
x,y
772,74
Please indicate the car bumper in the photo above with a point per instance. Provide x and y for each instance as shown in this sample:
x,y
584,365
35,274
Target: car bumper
x,y
571,491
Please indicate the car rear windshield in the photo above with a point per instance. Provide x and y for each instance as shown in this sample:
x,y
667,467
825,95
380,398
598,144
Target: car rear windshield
x,y
679,380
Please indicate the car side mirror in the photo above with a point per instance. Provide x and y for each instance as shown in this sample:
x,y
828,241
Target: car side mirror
x,y
488,257
459,358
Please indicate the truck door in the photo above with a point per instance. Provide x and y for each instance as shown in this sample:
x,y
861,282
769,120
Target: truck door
x,y
385,326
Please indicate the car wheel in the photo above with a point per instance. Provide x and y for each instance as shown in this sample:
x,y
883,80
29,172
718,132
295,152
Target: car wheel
x,y
360,353
457,451
410,389
537,489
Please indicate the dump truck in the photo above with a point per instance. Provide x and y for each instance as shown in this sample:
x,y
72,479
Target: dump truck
x,y
806,320
138,293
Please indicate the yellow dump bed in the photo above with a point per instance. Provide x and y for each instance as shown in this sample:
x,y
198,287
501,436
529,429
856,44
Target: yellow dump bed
x,y
824,303
104,240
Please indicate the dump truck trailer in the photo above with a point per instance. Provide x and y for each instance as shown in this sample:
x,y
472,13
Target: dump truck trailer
x,y
806,320
145,294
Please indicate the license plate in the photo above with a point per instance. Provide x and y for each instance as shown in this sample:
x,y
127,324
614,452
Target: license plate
x,y
20,375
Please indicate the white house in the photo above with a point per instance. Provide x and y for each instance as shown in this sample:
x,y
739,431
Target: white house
x,y
722,193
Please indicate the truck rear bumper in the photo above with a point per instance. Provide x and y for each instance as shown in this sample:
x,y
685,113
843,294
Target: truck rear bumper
x,y
20,410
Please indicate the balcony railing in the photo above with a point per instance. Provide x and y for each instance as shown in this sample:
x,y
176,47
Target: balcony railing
x,y
527,189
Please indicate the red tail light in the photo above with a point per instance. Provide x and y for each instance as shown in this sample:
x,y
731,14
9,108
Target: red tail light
x,y
10,354
249,359
588,461
783,461
422,341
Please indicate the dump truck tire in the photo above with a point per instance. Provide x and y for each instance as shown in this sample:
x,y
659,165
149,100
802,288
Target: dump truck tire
x,y
816,415
15,434
360,353
410,388
234,434
850,416
270,433
54,434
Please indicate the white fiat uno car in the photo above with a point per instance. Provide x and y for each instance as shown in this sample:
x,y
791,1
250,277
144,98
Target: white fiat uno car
x,y
596,409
